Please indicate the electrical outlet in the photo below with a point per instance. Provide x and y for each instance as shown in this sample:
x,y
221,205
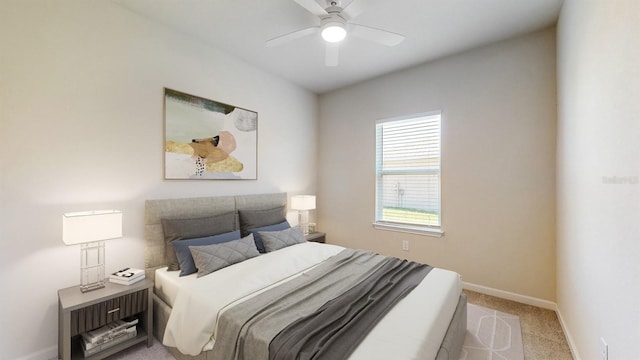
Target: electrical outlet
x,y
405,245
604,350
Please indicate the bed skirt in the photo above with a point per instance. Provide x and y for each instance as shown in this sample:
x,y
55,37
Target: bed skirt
x,y
449,349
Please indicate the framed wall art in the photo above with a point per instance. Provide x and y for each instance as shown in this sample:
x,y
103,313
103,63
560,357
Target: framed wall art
x,y
206,139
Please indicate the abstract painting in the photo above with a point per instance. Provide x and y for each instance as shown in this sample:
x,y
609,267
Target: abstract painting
x,y
206,139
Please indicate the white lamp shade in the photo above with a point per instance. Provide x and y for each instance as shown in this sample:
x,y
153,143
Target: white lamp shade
x,y
89,226
303,202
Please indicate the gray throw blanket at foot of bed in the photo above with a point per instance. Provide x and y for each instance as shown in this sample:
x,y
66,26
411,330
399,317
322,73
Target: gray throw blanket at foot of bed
x,y
323,314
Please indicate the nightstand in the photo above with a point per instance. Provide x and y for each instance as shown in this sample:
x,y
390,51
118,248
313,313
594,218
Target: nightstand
x,y
316,237
80,312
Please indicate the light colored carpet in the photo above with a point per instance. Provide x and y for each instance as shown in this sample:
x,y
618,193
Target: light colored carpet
x,y
492,335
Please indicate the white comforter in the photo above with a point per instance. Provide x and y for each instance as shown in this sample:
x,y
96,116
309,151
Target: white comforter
x,y
413,329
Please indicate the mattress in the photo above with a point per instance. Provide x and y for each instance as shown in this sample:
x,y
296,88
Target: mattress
x,y
168,284
198,302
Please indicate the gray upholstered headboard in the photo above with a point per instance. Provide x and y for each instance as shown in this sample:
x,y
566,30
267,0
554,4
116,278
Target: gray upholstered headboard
x,y
155,210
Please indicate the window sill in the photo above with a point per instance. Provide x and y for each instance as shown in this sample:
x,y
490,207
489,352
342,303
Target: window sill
x,y
418,230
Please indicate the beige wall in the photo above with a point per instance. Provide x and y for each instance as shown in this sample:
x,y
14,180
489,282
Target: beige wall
x,y
81,128
498,163
598,175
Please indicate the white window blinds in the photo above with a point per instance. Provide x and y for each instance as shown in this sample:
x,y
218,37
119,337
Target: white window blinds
x,y
408,171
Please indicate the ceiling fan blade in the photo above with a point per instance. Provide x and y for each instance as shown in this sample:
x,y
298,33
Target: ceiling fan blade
x,y
291,36
312,7
331,56
376,35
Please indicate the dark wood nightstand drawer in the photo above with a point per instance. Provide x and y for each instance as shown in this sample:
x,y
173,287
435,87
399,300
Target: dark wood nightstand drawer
x,y
100,314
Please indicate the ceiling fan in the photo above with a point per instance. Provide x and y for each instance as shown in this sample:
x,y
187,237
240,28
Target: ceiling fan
x,y
335,25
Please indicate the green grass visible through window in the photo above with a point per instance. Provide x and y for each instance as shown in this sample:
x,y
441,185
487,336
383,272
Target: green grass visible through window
x,y
412,216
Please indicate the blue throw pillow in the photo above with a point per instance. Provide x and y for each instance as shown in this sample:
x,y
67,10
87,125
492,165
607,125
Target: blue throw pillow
x,y
275,227
185,260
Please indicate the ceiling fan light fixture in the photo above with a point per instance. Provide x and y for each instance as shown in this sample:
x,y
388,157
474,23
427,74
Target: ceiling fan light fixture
x,y
334,32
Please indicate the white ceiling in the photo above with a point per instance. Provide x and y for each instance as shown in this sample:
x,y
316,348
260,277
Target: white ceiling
x,y
433,29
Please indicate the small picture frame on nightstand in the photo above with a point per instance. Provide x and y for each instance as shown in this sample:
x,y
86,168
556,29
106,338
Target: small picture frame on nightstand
x,y
312,228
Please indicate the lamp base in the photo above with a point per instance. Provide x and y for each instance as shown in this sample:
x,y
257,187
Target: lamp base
x,y
92,286
303,221
92,266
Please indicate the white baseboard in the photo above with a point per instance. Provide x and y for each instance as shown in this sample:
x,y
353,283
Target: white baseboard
x,y
524,299
50,353
545,304
567,334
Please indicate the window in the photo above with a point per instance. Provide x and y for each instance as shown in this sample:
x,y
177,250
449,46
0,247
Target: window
x,y
408,174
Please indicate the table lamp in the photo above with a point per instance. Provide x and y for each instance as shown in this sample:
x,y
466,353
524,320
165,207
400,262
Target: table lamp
x,y
90,229
303,203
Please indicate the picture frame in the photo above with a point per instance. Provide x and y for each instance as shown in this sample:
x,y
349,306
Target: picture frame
x,y
206,139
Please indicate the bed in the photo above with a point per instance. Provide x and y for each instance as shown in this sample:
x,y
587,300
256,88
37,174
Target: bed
x,y
200,317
